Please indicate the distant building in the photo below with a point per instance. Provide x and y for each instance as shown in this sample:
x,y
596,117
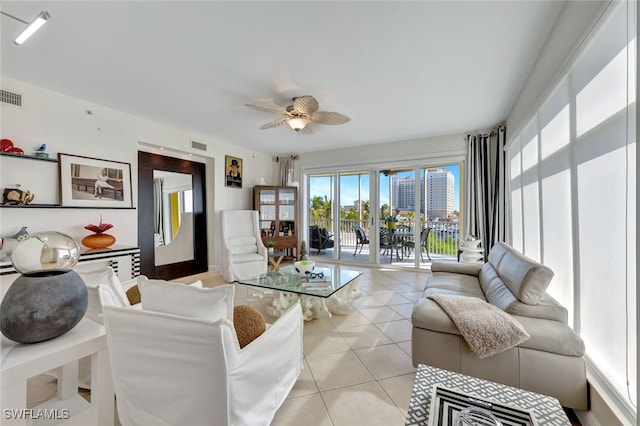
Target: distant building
x,y
440,193
404,193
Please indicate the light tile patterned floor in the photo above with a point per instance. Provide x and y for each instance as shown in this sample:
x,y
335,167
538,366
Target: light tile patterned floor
x,y
358,368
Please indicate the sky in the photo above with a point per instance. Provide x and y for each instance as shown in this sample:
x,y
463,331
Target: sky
x,y
349,187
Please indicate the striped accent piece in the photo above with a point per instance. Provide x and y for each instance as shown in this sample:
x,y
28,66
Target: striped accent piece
x,y
114,265
458,388
135,264
6,268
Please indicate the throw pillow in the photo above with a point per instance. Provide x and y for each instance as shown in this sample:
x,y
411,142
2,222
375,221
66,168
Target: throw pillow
x,y
249,324
133,293
187,300
106,277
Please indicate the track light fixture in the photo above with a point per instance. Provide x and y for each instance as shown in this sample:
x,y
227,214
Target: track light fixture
x,y
32,26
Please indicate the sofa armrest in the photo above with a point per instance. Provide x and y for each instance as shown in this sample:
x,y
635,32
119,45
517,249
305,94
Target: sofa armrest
x,y
458,268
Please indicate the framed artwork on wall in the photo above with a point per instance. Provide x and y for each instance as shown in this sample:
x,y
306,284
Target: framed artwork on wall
x,y
93,182
233,171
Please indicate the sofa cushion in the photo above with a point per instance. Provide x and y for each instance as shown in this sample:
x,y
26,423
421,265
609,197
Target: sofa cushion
x,y
526,278
459,268
551,336
244,240
247,257
250,248
429,315
547,308
487,329
466,285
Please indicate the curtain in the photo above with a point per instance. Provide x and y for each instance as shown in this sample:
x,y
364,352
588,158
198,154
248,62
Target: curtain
x,y
286,164
158,209
486,185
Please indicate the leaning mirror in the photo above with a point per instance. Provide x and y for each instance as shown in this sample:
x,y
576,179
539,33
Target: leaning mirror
x,y
173,217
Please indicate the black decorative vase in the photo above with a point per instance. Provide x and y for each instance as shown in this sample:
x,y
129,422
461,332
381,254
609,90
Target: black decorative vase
x,y
42,305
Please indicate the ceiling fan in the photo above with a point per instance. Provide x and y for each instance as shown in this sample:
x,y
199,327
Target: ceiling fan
x,y
301,114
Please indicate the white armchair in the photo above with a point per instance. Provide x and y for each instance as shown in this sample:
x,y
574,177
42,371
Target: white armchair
x,y
243,253
170,369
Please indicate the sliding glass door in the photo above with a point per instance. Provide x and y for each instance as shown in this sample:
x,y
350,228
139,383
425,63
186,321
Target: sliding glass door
x,y
402,216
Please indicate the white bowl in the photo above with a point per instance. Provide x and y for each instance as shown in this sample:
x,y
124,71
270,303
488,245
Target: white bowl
x,y
302,267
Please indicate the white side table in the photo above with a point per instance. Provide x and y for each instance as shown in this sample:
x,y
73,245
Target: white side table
x,y
22,361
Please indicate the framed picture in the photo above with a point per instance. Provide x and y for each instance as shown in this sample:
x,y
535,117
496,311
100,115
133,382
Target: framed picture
x,y
92,182
233,171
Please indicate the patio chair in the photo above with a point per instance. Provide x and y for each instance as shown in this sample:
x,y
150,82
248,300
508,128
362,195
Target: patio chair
x,y
361,238
320,238
388,243
424,237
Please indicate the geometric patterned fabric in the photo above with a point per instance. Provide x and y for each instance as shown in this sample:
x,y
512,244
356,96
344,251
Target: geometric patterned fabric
x,y
449,389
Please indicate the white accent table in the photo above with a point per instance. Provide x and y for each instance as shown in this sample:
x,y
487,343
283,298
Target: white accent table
x,y
22,361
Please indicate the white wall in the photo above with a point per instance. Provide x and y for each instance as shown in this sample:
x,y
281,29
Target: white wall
x,y
62,122
386,153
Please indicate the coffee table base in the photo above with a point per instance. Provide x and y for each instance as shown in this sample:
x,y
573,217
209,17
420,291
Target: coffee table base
x,y
338,303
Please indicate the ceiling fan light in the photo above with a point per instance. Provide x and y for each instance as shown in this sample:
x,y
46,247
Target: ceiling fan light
x,y
298,123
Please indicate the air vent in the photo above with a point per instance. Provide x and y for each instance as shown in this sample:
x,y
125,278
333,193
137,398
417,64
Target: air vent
x,y
10,98
198,145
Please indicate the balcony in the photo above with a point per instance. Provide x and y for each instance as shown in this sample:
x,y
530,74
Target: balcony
x,y
443,243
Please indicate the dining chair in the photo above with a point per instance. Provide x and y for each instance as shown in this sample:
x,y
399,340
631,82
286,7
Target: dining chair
x,y
361,238
424,242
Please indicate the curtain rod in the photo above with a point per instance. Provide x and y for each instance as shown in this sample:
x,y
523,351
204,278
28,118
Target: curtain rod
x,y
493,132
292,156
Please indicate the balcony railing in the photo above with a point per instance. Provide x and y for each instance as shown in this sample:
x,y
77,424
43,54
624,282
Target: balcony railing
x,y
444,238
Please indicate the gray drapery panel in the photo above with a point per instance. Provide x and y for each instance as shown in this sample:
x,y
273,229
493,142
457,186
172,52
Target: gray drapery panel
x,y
286,163
158,209
486,186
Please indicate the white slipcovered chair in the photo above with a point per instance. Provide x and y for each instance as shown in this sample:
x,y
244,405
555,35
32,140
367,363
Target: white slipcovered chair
x,y
180,366
243,253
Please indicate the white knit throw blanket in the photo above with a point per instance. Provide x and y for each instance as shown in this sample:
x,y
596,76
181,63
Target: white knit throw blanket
x,y
487,329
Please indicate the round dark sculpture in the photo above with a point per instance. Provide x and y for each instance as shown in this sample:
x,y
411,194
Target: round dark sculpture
x,y
42,305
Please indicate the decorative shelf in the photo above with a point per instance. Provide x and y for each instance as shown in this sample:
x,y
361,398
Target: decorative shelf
x,y
58,206
28,157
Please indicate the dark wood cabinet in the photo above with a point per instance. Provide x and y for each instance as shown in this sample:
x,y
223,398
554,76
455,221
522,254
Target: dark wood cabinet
x,y
277,207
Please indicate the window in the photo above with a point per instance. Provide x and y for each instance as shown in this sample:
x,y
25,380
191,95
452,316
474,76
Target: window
x,y
573,196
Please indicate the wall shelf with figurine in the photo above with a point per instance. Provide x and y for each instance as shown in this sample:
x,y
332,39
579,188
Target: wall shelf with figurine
x,y
58,206
45,190
28,157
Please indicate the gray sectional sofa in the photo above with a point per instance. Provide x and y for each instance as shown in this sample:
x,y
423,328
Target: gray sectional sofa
x,y
550,362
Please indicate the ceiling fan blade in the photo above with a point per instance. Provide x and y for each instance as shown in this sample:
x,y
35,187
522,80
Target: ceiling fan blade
x,y
275,123
305,104
306,130
331,118
267,109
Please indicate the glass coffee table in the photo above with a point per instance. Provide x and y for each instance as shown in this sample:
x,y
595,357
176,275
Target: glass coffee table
x,y
329,290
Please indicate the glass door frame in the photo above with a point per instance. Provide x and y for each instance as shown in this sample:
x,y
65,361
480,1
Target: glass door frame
x,y
374,169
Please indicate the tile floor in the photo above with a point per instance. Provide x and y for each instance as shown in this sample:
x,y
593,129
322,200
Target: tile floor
x,y
358,368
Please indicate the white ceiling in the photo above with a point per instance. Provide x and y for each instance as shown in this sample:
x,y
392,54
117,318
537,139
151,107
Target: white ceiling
x,y
400,70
